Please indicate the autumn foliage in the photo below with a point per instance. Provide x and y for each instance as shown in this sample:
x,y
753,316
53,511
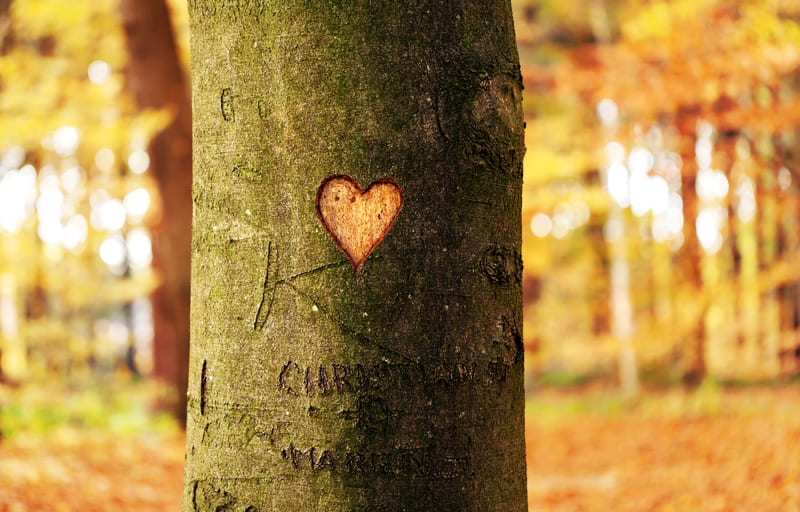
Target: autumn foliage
x,y
662,186
661,245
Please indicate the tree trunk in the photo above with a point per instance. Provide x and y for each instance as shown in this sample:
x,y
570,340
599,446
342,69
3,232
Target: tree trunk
x,y
694,349
599,249
155,80
397,386
5,24
621,307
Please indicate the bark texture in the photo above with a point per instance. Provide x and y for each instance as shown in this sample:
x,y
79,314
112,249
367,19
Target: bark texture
x,y
397,386
156,81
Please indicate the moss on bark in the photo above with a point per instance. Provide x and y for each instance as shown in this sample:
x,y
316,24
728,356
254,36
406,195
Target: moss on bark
x,y
397,387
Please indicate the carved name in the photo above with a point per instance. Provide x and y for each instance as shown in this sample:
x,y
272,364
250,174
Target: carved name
x,y
324,379
418,461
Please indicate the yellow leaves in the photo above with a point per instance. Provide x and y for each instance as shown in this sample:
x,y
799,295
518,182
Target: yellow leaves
x,y
81,30
730,24
43,90
44,75
557,145
34,18
543,165
762,24
783,58
668,64
664,19
654,22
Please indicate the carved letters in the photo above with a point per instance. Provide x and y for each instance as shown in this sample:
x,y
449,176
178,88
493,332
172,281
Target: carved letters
x,y
373,413
424,462
226,104
324,379
206,496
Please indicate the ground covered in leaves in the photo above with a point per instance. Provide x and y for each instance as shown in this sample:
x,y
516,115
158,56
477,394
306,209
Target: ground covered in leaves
x,y
588,450
92,473
707,450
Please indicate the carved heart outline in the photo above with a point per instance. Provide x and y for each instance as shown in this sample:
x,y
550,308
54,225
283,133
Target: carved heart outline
x,y
358,250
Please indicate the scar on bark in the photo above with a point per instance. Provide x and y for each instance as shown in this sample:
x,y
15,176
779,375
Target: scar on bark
x,y
203,387
206,496
268,293
226,104
194,494
262,109
271,282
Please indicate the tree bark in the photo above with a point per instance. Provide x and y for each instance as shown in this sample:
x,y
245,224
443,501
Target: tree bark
x,y
156,81
314,386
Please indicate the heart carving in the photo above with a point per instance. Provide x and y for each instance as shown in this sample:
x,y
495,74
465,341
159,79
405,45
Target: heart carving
x,y
357,219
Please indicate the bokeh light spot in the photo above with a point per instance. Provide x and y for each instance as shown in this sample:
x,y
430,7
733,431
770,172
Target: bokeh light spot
x,y
99,72
541,225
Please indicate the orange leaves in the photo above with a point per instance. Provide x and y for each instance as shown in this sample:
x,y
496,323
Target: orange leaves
x,y
657,461
92,473
670,55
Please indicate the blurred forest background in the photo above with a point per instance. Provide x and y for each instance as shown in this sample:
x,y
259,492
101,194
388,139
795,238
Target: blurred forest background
x,y
661,249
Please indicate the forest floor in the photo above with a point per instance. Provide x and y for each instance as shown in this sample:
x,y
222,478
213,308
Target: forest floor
x,y
708,450
588,450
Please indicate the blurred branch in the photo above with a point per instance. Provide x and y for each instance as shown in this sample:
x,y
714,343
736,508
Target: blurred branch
x,y
5,22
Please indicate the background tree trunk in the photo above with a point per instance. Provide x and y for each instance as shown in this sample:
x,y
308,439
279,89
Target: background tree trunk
x,y
5,22
694,347
399,386
156,81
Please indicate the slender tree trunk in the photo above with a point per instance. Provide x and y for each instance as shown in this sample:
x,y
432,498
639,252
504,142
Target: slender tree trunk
x,y
767,229
694,350
155,80
601,289
5,23
397,386
621,307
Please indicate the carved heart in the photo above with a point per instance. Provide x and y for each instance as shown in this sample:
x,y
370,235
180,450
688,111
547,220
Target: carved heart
x,y
357,220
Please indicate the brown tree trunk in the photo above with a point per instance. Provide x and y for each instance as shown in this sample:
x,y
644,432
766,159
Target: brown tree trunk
x,y
315,386
156,81
694,360
601,267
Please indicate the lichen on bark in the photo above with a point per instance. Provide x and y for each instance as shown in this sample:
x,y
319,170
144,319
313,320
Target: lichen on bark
x,y
313,386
